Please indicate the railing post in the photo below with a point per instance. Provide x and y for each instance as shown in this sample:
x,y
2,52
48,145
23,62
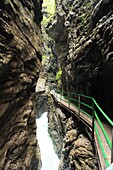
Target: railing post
x,y
79,107
93,119
112,147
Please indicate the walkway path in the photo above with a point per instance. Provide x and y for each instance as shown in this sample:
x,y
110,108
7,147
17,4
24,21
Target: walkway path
x,y
104,152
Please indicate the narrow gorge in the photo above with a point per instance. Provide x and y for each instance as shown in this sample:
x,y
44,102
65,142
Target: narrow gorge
x,y
47,47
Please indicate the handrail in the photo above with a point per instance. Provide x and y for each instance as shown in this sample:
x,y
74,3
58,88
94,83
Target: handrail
x,y
107,118
101,146
79,105
89,97
103,130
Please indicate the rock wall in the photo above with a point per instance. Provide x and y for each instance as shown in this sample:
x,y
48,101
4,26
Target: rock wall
x,y
41,94
56,125
20,62
83,32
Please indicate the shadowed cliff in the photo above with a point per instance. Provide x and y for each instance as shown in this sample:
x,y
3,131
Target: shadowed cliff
x,y
83,32
20,62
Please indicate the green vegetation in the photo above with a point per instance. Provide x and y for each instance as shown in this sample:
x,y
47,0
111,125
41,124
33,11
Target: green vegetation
x,y
88,4
58,77
48,10
44,59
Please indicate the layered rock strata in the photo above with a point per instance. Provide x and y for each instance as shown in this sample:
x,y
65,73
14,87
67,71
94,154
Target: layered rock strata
x,y
83,32
20,62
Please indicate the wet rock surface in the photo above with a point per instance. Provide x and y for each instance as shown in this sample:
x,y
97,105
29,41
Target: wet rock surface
x,y
20,62
41,94
83,32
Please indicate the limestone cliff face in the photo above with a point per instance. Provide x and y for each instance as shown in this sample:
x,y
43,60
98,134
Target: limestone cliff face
x,y
20,62
83,32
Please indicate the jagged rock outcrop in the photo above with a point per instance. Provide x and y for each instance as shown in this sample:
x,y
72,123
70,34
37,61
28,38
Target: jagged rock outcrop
x,y
70,139
41,94
20,62
83,32
56,125
77,152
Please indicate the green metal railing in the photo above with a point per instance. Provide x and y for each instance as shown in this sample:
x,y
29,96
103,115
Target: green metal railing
x,y
92,110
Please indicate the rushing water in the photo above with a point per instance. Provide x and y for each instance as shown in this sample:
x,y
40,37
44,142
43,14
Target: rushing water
x,y
49,158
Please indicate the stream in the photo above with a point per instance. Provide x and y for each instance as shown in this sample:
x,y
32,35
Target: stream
x,y
49,158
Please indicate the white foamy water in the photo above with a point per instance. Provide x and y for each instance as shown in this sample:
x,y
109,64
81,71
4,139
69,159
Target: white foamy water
x,y
49,158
